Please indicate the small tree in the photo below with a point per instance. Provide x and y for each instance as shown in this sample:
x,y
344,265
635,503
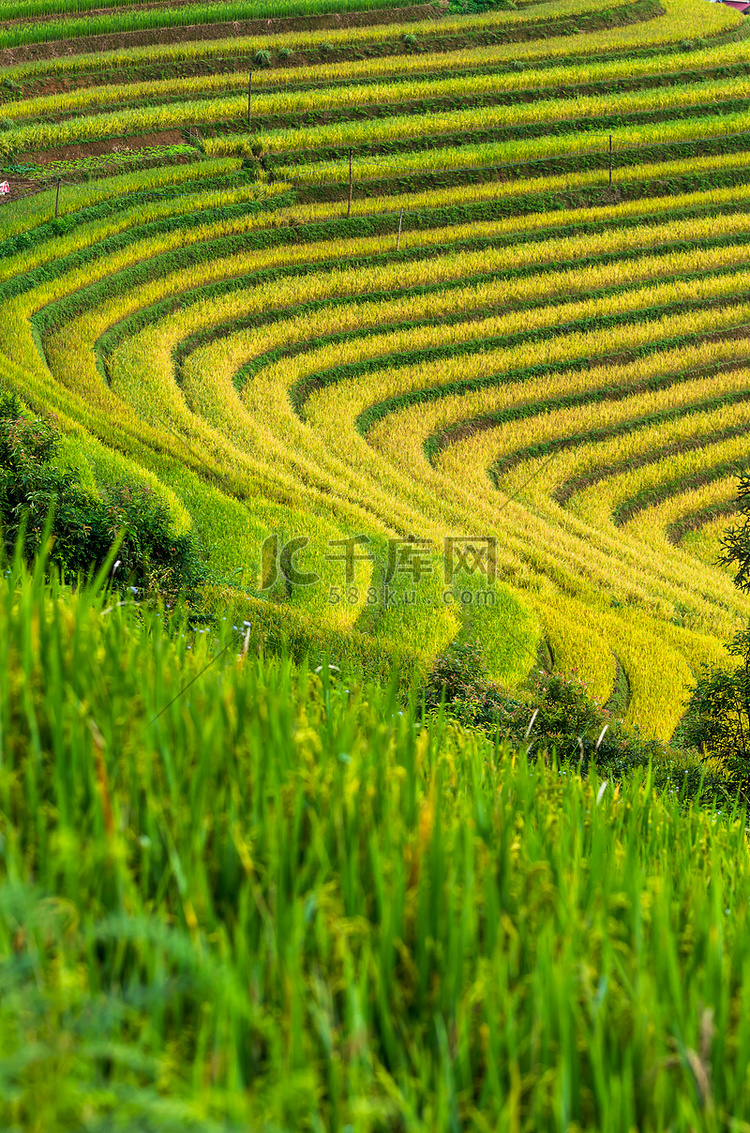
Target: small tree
x,y
717,721
159,563
736,542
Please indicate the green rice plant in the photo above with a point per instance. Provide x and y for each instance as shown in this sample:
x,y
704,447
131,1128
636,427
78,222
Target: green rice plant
x,y
656,32
33,210
497,117
196,14
185,15
499,153
183,820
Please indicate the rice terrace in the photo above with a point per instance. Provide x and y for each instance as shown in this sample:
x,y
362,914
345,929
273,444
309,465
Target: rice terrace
x,y
374,566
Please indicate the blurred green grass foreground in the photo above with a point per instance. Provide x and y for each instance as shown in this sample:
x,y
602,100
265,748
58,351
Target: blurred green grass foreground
x,y
238,894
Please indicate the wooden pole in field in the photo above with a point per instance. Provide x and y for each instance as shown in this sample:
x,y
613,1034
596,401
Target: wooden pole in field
x,y
249,97
400,219
57,198
351,186
610,161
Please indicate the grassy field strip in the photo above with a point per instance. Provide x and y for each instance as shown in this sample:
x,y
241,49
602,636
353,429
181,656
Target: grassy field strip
x,y
536,75
140,434
27,9
452,265
546,423
292,370
344,405
552,110
29,212
658,448
497,153
598,568
509,866
466,463
582,646
509,190
652,525
300,441
478,452
273,430
106,416
623,479
202,14
69,243
338,80
72,361
704,542
430,271
522,224
680,23
482,297
164,465
21,33
495,191
141,373
579,648
661,371
693,228
144,212
598,503
482,450
267,100
203,112
275,372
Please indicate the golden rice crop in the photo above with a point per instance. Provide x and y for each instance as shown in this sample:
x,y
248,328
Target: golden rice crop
x,y
268,101
495,153
680,22
718,91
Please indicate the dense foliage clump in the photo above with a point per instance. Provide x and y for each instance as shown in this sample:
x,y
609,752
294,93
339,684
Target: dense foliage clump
x,y
717,721
555,713
84,526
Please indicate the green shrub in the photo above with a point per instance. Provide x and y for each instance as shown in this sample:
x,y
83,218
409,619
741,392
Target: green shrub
x,y
262,58
555,713
717,720
84,526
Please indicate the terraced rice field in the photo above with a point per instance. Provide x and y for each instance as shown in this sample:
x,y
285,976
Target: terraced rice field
x,y
526,329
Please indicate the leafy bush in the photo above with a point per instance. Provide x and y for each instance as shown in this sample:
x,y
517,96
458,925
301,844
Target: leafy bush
x,y
85,526
717,720
736,541
262,58
556,713
458,679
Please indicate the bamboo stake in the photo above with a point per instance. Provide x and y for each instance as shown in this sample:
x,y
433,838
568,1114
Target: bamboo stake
x,y
610,161
351,185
